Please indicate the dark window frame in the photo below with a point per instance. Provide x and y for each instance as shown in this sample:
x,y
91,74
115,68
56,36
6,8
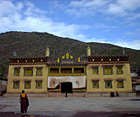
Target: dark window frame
x,y
122,81
108,67
15,70
51,69
121,68
82,70
25,85
41,71
28,68
37,81
108,81
66,69
97,70
93,83
14,84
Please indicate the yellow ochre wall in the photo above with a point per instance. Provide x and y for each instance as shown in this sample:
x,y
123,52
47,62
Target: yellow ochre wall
x,y
21,78
126,76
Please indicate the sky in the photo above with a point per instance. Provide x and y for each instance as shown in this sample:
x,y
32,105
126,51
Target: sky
x,y
105,21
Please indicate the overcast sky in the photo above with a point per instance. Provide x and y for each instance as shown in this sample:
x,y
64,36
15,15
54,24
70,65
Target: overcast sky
x,y
106,21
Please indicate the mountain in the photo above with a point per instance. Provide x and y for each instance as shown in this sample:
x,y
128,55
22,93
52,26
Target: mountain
x,y
34,44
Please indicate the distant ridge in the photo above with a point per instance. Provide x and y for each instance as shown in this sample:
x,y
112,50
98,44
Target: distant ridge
x,y
34,44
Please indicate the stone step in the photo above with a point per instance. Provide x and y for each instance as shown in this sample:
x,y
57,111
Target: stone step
x,y
50,94
29,95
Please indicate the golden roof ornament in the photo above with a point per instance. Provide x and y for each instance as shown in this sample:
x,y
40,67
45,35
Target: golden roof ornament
x,y
63,57
58,60
88,51
71,57
47,52
67,56
79,59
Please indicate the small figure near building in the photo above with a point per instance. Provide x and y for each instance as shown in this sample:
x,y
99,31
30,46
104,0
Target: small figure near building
x,y
117,93
24,102
111,94
66,94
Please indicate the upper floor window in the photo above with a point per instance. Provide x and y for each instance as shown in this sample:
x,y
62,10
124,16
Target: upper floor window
x,y
108,70
28,71
66,70
16,85
16,71
95,70
78,70
119,69
39,71
54,70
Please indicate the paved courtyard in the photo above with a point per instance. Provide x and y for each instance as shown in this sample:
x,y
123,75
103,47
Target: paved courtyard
x,y
71,106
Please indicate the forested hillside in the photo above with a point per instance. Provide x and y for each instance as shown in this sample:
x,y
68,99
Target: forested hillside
x,y
35,44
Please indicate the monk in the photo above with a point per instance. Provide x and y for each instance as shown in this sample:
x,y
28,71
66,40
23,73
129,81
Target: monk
x,y
24,102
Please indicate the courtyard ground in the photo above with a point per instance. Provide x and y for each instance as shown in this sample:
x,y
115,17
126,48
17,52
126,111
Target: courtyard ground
x,y
72,106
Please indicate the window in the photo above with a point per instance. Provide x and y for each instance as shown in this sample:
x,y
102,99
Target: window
x,y
54,70
95,70
120,84
108,84
119,70
16,71
108,70
28,71
39,72
78,70
16,85
27,85
39,84
95,84
66,70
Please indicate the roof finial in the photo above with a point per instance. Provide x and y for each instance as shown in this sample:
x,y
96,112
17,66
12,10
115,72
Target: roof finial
x,y
79,59
58,60
123,51
47,52
88,51
15,54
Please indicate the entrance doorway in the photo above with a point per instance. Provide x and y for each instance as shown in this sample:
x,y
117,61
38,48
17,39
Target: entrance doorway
x,y
66,87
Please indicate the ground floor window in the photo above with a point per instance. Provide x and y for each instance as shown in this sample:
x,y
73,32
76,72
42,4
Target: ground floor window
x,y
108,84
39,84
27,85
120,84
95,84
16,85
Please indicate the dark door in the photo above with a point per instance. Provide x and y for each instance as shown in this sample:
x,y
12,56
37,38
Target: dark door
x,y
66,87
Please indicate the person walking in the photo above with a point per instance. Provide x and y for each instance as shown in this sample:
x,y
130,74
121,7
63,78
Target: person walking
x,y
24,103
117,93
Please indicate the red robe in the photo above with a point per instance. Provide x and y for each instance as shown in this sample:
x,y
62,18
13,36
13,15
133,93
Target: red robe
x,y
24,102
